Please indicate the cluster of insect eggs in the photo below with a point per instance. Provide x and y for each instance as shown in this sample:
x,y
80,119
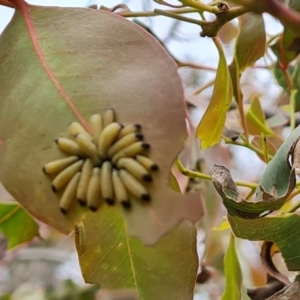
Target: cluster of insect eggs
x,y
107,164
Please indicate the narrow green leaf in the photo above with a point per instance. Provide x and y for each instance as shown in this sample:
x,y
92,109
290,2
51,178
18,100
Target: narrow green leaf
x,y
233,273
114,260
283,230
249,47
174,183
235,78
16,224
210,127
255,119
296,83
251,40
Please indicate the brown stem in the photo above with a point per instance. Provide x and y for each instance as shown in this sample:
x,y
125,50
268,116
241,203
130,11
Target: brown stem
x,y
6,3
286,15
195,66
212,28
209,28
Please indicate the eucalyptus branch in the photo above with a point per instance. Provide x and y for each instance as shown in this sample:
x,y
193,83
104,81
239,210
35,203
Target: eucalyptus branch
x,y
135,14
161,12
292,109
7,3
287,16
203,87
209,28
162,2
200,6
291,196
195,66
196,174
246,145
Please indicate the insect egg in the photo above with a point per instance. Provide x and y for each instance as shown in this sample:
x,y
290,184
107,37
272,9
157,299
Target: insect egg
x,y
109,164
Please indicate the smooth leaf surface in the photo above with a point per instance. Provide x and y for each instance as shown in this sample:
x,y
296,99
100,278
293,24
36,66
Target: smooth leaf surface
x,y
210,127
16,224
233,273
166,270
68,63
251,40
255,119
279,180
283,230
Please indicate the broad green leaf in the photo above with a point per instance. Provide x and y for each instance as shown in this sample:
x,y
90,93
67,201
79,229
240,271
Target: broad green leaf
x,y
233,273
210,127
113,260
71,63
255,119
273,189
16,224
251,40
283,230
278,180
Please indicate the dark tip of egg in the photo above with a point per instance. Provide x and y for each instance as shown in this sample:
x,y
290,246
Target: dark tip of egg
x,y
145,145
147,177
146,197
54,189
126,204
139,136
93,208
154,167
82,202
64,211
109,201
